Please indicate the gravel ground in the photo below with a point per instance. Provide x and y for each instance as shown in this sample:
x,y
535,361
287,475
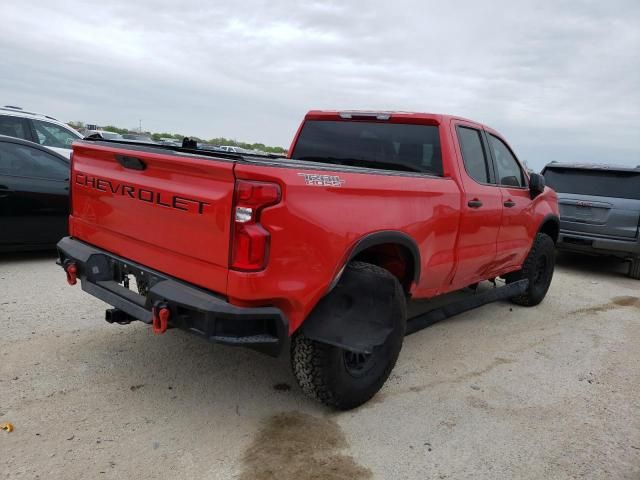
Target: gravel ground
x,y
502,392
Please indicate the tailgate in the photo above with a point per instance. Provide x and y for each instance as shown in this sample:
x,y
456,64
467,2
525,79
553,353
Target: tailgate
x,y
597,201
613,218
166,210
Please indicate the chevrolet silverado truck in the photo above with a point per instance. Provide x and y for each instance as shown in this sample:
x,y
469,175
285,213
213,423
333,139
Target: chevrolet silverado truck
x,y
317,254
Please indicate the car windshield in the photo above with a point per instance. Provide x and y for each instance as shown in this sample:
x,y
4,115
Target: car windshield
x,y
389,146
600,183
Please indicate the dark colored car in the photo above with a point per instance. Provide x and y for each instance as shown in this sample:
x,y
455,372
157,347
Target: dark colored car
x,y
34,195
599,209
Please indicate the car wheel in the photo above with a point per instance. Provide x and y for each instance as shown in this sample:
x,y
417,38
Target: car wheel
x,y
345,379
538,269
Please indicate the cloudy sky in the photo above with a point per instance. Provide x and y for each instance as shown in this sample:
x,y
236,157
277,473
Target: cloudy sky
x,y
560,79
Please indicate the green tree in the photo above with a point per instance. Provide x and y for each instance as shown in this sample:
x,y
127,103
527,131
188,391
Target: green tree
x,y
111,128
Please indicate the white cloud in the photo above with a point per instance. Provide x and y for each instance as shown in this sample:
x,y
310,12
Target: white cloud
x,y
559,79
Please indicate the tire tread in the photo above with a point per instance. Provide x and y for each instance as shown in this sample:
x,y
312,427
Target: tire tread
x,y
541,242
310,359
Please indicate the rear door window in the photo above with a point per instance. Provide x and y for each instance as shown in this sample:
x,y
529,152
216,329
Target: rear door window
x,y
13,127
23,161
389,146
599,183
473,154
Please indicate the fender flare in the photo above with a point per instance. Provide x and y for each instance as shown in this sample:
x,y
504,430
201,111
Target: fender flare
x,y
550,218
388,236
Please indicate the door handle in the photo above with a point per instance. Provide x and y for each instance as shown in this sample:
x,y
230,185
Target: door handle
x,y
475,203
509,203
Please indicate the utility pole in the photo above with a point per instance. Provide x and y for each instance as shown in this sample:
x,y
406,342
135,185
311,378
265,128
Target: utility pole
x,y
140,126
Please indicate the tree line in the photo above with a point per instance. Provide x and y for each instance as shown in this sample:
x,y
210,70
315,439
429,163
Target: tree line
x,y
213,141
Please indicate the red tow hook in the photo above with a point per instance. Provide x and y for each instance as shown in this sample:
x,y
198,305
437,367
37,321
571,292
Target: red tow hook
x,y
160,319
72,273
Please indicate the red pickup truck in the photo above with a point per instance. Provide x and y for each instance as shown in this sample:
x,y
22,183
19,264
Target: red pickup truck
x,y
320,252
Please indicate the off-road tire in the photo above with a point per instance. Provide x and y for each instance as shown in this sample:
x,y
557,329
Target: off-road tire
x,y
538,268
634,268
321,369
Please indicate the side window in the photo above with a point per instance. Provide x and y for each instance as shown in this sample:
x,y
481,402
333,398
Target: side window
x,y
473,154
509,171
13,127
23,161
52,135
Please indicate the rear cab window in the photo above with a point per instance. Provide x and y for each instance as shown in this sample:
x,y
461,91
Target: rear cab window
x,y
594,182
388,146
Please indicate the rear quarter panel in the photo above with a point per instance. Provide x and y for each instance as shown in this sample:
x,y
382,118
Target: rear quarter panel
x,y
314,228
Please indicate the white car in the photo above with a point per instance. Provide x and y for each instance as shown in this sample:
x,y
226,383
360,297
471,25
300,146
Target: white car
x,y
229,148
37,128
104,134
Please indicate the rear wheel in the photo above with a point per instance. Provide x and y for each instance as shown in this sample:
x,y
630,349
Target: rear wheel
x,y
341,378
634,268
538,269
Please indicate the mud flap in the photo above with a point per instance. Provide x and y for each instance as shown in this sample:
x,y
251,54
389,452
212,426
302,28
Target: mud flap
x,y
356,315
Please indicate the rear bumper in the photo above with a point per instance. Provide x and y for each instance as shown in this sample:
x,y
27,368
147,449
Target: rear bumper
x,y
580,242
191,308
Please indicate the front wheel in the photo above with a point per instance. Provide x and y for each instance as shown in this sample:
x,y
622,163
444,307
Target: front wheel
x,y
538,269
345,379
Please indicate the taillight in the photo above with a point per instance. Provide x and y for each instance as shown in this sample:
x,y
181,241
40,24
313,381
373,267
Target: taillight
x,y
250,244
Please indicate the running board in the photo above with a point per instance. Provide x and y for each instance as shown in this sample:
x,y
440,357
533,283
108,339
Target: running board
x,y
469,302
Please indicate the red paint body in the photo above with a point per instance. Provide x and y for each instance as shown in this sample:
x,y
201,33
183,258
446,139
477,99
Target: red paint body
x,y
184,227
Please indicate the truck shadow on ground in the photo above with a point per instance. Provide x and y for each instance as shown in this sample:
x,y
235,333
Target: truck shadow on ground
x,y
28,257
586,264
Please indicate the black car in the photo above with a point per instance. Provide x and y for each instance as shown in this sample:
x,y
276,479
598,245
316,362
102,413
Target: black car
x,y
34,195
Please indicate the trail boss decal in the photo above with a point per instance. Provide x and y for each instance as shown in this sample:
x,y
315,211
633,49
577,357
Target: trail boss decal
x,y
322,180
142,194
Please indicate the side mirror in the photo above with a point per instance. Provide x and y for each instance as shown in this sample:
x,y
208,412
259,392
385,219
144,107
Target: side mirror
x,y
536,184
510,181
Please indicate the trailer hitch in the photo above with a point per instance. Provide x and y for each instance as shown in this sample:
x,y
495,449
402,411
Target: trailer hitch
x,y
160,318
71,270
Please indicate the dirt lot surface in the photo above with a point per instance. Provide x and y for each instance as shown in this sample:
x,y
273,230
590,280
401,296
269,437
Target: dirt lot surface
x,y
503,392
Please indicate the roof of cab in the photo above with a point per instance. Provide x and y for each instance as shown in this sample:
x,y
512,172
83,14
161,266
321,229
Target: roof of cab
x,y
382,115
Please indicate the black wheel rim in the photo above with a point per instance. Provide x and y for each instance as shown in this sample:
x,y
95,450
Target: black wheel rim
x,y
541,271
358,364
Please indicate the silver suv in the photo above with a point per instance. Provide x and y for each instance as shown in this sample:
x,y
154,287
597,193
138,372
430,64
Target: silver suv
x,y
37,128
599,209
